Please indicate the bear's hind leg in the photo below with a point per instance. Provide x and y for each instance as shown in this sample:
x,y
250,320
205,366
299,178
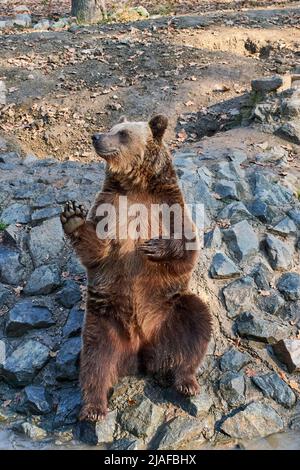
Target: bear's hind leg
x,y
106,351
180,344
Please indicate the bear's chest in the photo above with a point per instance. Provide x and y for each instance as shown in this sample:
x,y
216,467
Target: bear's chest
x,y
124,222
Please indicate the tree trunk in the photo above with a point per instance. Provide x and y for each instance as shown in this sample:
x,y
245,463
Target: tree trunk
x,y
89,11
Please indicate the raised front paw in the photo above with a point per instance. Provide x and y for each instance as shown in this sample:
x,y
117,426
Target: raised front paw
x,y
72,217
155,249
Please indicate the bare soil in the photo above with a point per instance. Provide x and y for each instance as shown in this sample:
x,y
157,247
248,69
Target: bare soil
x,y
63,86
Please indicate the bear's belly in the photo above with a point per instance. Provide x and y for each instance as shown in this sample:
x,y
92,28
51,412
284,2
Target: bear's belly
x,y
133,290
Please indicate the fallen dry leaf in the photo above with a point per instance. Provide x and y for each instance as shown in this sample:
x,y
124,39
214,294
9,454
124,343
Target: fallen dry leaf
x,y
250,372
264,293
181,136
189,103
294,385
221,88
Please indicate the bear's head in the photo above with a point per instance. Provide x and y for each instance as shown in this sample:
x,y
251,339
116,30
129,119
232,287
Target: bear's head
x,y
129,145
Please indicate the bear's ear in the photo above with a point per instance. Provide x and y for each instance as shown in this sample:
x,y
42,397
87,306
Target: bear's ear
x,y
122,119
158,124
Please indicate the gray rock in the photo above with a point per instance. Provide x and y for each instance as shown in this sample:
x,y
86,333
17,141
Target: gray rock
x,y
232,388
288,352
11,270
256,420
223,267
237,156
3,143
43,24
205,175
213,239
294,214
238,295
291,312
295,422
34,399
251,326
285,227
3,90
124,444
44,200
67,359
16,213
279,253
266,84
270,193
43,280
234,360
242,241
289,286
24,363
142,418
290,131
261,210
61,23
291,105
74,322
10,157
13,235
201,194
200,404
22,19
68,407
3,25
272,386
69,295
179,431
97,433
45,213
7,166
226,189
32,431
234,212
28,190
46,241
26,316
262,276
75,267
270,303
228,171
5,295
29,160
67,195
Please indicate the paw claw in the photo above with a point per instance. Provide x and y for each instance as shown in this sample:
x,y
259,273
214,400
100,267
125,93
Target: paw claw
x,y
154,248
92,413
188,386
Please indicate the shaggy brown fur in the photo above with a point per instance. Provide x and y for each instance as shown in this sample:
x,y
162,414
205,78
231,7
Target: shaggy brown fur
x,y
140,314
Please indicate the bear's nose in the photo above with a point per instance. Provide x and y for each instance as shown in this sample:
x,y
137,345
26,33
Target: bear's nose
x,y
96,138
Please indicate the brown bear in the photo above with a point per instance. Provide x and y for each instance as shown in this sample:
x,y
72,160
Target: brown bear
x,y
140,314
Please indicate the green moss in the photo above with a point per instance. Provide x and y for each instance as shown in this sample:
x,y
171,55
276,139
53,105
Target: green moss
x,y
2,226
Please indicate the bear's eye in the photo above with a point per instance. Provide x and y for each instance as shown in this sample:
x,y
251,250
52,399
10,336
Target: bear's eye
x,y
124,134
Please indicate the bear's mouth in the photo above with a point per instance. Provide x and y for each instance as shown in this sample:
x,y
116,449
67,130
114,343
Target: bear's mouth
x,y
107,153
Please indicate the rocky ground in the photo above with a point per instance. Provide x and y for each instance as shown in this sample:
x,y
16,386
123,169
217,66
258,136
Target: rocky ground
x,y
248,272
248,179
